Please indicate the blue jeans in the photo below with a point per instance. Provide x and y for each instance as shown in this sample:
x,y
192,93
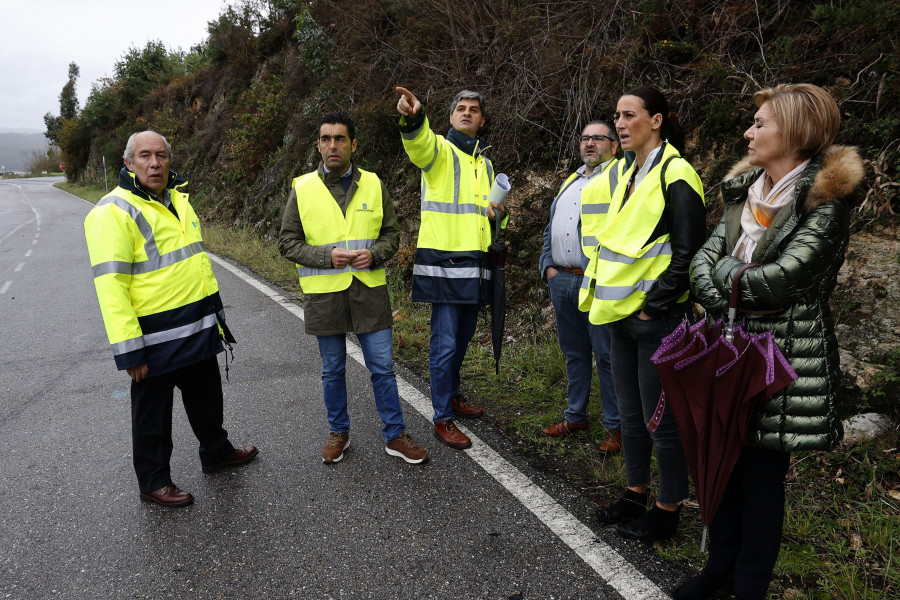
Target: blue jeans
x,y
376,348
579,340
452,328
638,387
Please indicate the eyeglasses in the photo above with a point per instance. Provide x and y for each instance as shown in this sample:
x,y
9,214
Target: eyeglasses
x,y
597,138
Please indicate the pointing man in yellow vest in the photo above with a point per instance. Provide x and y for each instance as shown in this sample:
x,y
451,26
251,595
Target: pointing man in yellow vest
x,y
339,227
163,314
577,213
452,270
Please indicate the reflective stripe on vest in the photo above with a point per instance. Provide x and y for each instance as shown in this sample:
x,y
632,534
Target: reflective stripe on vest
x,y
155,260
347,245
361,227
167,335
452,273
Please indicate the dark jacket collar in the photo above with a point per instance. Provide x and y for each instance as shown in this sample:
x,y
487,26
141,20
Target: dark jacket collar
x,y
462,141
128,182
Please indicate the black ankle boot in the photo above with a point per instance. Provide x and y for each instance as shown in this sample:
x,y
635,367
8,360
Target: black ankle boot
x,y
703,586
627,508
656,524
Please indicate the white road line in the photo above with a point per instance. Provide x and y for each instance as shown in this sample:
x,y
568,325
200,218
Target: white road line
x,y
15,229
19,267
602,558
33,242
27,254
5,287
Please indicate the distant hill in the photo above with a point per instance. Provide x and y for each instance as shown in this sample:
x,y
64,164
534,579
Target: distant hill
x,y
16,147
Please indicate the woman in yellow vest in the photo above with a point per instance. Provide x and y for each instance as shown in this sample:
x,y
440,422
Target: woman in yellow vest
x,y
639,284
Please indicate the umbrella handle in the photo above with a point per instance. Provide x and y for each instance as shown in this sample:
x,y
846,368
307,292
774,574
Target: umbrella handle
x,y
733,303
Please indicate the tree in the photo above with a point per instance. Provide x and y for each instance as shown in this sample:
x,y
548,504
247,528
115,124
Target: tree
x,y
68,101
53,124
43,161
68,106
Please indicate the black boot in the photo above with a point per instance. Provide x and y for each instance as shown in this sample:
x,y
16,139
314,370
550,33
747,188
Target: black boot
x,y
656,524
627,508
703,586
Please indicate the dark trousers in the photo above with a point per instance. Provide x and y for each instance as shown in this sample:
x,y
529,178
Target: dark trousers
x,y
745,535
151,420
583,345
638,387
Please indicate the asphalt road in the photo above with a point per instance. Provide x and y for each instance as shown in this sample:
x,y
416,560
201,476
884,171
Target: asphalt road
x,y
473,524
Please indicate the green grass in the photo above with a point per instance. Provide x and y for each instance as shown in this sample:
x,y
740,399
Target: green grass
x,y
842,528
90,192
260,256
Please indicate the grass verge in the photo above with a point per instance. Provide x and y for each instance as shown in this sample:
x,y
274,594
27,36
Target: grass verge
x,y
842,525
90,192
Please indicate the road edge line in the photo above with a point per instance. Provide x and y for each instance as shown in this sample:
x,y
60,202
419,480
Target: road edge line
x,y
611,566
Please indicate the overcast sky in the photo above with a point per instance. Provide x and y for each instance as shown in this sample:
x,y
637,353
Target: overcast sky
x,y
39,38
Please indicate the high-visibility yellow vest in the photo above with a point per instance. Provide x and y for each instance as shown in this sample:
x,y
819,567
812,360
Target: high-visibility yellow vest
x,y
451,263
595,204
325,224
625,264
155,284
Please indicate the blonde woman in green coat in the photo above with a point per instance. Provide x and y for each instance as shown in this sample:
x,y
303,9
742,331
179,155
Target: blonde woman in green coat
x,y
786,208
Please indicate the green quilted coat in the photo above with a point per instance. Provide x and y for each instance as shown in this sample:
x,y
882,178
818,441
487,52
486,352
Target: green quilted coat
x,y
800,255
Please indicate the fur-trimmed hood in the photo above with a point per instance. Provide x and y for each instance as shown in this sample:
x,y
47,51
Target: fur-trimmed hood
x,y
841,171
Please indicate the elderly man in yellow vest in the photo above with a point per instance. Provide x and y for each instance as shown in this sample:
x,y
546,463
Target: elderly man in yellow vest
x,y
340,228
163,314
452,270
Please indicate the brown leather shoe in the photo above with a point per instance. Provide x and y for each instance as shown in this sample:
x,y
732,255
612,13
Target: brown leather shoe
x,y
463,409
238,457
613,443
447,432
564,428
168,496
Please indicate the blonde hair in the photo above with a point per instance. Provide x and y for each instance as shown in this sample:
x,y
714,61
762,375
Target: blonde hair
x,y
807,115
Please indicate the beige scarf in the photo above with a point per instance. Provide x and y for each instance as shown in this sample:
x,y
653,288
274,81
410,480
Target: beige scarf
x,y
759,211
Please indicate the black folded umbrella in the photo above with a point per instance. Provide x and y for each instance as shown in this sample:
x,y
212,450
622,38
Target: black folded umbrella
x,y
498,252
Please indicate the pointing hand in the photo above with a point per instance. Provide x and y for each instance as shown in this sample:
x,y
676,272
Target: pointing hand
x,y
408,104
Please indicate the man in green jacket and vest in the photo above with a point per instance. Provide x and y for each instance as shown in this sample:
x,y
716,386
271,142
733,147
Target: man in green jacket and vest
x,y
340,228
163,315
452,270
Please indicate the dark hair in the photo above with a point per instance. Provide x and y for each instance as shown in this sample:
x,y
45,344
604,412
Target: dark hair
x,y
612,130
655,103
339,119
467,95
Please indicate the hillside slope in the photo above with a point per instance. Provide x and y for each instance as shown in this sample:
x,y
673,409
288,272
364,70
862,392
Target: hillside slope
x,y
241,109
